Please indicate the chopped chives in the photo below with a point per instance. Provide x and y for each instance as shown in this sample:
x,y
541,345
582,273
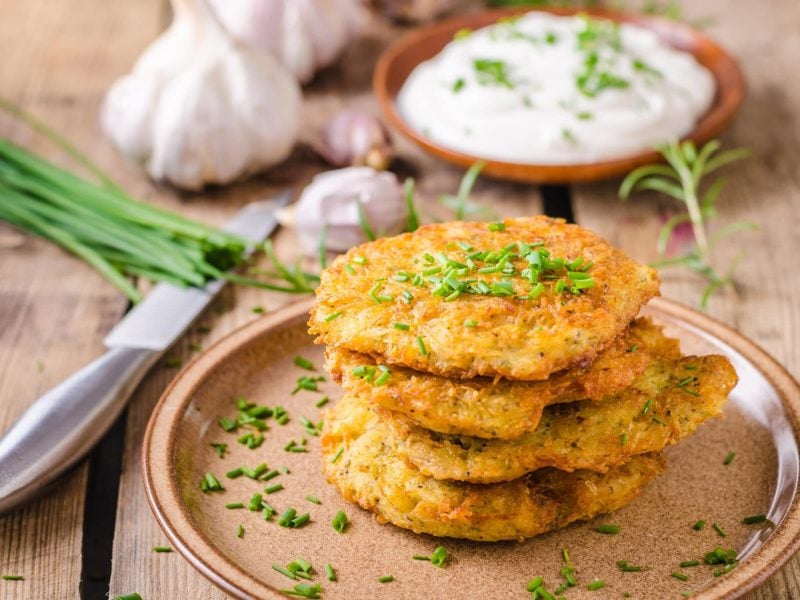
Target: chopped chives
x,y
322,402
401,326
240,531
422,349
339,522
162,549
350,270
439,556
420,557
286,518
646,407
330,573
383,378
680,576
284,571
470,323
699,525
273,488
255,502
534,583
300,521
659,421
234,473
337,455
689,563
386,579
131,596
17,578
220,448
498,226
754,519
228,424
359,260
269,475
209,483
729,458
332,316
719,530
623,439
313,499
596,585
303,363
626,567
605,528
233,505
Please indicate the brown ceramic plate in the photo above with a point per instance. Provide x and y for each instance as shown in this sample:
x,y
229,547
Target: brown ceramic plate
x,y
399,60
760,426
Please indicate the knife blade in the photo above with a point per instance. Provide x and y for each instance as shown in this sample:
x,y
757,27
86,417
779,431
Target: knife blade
x,y
66,422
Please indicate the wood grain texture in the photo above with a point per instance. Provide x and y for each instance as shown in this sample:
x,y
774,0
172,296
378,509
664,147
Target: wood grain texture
x,y
53,311
765,303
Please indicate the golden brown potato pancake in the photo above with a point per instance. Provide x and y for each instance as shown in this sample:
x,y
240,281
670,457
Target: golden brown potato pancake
x,y
666,403
504,409
360,459
493,323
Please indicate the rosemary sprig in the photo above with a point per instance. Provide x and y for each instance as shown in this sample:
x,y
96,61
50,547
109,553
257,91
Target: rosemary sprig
x,y
682,178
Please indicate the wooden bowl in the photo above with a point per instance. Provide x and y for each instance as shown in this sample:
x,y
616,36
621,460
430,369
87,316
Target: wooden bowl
x,y
400,59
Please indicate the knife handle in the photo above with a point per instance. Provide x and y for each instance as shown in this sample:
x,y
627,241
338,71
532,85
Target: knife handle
x,y
64,424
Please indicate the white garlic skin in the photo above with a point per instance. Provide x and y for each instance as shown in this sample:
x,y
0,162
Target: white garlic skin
x,y
201,108
331,201
303,35
355,138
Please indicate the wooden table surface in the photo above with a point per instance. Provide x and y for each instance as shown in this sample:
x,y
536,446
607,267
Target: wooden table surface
x,y
94,534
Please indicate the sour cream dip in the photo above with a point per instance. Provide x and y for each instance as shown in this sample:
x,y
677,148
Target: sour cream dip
x,y
546,89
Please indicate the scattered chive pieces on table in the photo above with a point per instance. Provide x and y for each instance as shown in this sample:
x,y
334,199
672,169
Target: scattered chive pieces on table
x,y
13,578
240,531
269,475
754,519
718,528
680,576
161,549
322,402
303,363
699,525
386,579
729,458
596,585
330,573
273,488
339,522
689,563
307,382
300,521
313,499
287,516
234,505
606,528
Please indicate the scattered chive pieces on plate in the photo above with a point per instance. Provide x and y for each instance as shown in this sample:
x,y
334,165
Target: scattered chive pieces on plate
x,y
718,528
234,505
729,458
689,563
605,528
240,531
699,525
535,583
754,519
303,363
626,567
330,573
680,576
339,522
596,585
161,549
313,499
386,578
16,578
322,402
439,556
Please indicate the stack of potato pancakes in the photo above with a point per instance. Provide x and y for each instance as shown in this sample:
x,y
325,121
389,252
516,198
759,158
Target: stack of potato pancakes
x,y
497,381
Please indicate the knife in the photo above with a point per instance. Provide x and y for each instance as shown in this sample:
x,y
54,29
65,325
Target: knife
x,y
64,424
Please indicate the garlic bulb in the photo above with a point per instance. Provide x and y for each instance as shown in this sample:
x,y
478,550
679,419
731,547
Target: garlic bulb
x,y
355,138
414,10
200,107
304,35
332,199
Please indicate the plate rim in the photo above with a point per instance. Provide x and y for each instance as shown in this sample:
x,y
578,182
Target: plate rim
x,y
730,93
172,514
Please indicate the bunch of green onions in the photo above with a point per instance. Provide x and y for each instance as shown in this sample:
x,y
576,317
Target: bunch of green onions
x,y
119,236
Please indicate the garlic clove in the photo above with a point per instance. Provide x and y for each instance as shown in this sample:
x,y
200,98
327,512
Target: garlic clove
x,y
354,138
332,199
